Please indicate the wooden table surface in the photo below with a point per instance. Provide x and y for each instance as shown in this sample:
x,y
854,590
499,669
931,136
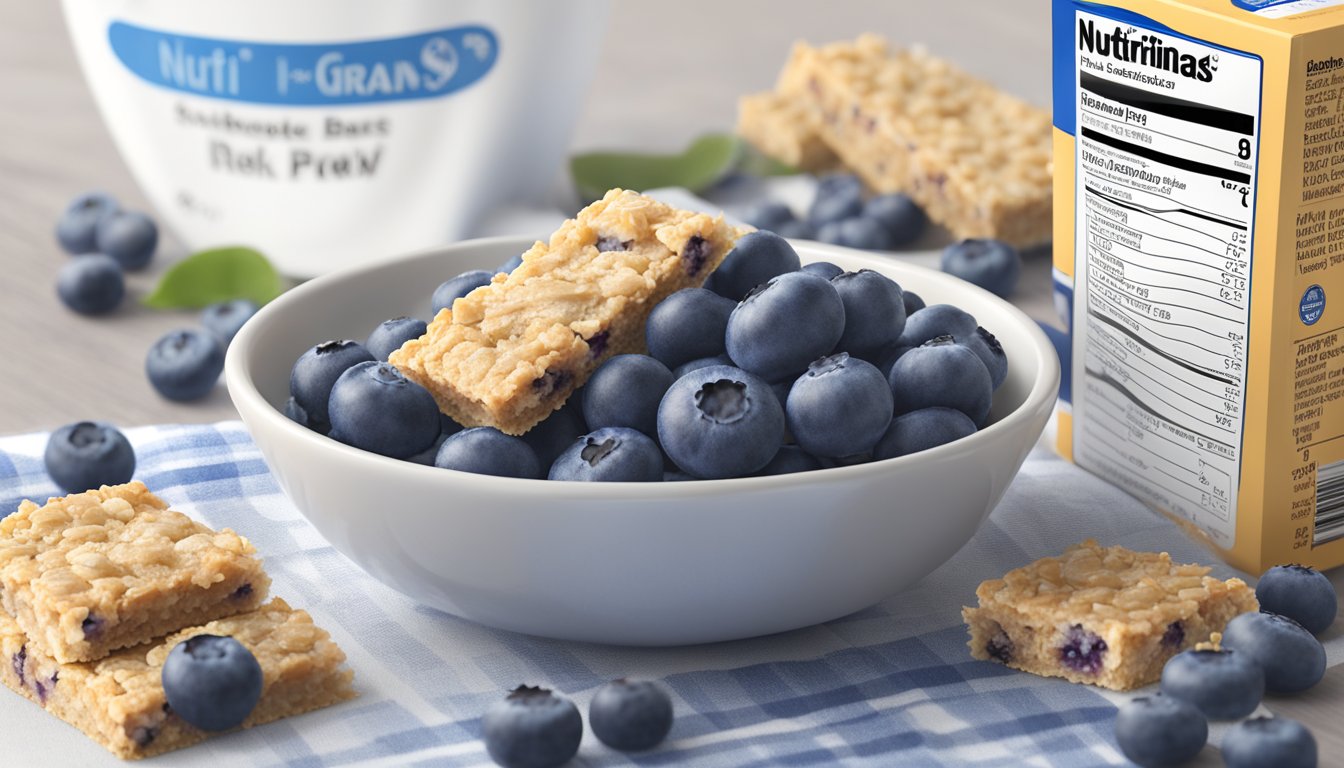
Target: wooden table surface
x,y
653,91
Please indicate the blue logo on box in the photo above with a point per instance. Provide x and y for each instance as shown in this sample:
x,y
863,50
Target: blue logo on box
x,y
1312,305
422,66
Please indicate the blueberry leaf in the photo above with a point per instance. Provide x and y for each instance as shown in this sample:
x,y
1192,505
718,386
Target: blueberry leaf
x,y
706,161
215,275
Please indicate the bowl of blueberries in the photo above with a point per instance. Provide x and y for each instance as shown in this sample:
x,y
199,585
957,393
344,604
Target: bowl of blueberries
x,y
810,433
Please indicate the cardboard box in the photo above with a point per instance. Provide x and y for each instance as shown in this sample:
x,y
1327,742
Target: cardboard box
x,y
1199,246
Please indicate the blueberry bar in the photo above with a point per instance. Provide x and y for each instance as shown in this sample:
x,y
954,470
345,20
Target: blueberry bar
x,y
119,701
92,572
782,128
977,160
509,353
1107,616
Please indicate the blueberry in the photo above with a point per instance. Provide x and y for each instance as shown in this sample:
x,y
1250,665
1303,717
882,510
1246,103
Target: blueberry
x,y
874,311
391,334
315,372
212,682
374,407
631,715
77,229
1301,593
824,268
457,287
898,215
695,365
611,454
1224,685
934,321
839,196
1082,650
864,233
226,318
487,451
987,348
532,728
921,430
295,413
87,454
512,264
558,431
839,407
1160,731
719,422
91,284
785,324
688,325
1269,741
625,392
913,303
130,238
796,230
185,364
789,460
1293,659
830,232
991,264
941,373
768,215
757,257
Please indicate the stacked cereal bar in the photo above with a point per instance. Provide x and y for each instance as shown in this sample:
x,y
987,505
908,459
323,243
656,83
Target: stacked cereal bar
x,y
98,587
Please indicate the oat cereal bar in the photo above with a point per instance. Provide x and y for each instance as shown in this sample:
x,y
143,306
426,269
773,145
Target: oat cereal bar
x,y
92,572
119,701
1107,616
509,353
782,128
975,159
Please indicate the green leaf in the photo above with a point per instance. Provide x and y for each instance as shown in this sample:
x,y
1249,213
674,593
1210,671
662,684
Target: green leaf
x,y
219,274
707,160
757,163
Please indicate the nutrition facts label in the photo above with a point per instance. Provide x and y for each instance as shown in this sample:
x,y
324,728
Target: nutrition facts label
x,y
1165,172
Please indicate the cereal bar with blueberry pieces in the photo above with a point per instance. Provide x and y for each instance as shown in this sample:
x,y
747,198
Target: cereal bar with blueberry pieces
x,y
977,160
119,701
88,573
1107,616
509,353
782,128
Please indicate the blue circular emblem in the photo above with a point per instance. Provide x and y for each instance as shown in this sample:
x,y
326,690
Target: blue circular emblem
x,y
1312,305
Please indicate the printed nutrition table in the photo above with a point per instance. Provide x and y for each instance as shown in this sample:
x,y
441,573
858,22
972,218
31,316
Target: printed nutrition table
x,y
1165,172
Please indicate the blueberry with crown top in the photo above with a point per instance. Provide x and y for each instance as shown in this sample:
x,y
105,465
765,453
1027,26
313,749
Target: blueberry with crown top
x,y
77,228
184,364
1223,684
719,422
91,284
212,682
374,407
941,372
784,324
1301,593
316,371
128,237
532,728
87,455
631,715
1156,731
755,258
1292,658
1263,742
839,407
611,454
874,312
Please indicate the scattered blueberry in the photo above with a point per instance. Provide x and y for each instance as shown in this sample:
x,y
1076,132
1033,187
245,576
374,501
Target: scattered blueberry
x,y
688,325
874,311
921,430
625,392
839,407
1301,593
936,320
1224,685
991,264
769,215
756,258
91,284
789,460
863,233
557,432
185,364
532,728
1158,730
87,454
212,682
130,238
796,230
487,451
913,303
987,348
898,215
631,715
373,406
1269,741
824,268
1293,659
226,318
941,373
785,324
457,287
315,372
839,196
695,365
611,454
719,422
391,334
831,233
77,229
512,264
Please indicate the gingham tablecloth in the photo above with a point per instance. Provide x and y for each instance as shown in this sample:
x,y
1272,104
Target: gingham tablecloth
x,y
892,685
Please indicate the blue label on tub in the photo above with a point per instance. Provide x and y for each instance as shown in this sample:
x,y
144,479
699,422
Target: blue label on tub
x,y
1312,305
422,66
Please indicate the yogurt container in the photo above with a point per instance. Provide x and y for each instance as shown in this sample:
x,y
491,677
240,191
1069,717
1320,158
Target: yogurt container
x,y
334,132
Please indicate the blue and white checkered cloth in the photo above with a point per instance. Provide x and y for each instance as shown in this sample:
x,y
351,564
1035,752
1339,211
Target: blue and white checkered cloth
x,y
891,685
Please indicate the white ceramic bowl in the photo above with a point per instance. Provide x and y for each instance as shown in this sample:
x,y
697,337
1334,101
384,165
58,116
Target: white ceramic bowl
x,y
632,563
